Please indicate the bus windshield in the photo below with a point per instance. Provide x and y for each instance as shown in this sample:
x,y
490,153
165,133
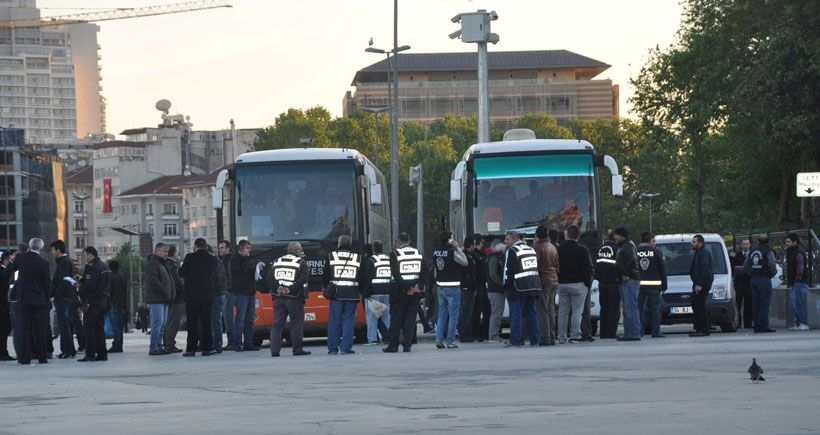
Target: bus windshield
x,y
527,190
280,202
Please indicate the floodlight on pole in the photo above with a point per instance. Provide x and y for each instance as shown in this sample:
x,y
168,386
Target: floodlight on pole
x,y
650,196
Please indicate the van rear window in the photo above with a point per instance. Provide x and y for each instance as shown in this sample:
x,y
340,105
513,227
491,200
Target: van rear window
x,y
678,257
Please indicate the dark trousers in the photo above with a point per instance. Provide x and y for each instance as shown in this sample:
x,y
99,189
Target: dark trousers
x,y
403,310
282,308
699,310
743,297
94,324
481,315
761,299
172,325
5,329
198,317
77,326
32,323
649,304
465,315
610,300
63,308
547,320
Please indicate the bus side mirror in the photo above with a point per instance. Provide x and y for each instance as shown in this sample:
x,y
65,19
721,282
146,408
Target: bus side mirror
x,y
455,190
617,185
376,194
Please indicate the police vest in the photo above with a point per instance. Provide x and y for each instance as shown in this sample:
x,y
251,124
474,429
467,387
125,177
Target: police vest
x,y
410,264
649,266
345,274
606,269
448,272
380,284
526,277
285,272
759,258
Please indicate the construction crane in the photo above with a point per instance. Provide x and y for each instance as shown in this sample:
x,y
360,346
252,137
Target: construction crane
x,y
113,14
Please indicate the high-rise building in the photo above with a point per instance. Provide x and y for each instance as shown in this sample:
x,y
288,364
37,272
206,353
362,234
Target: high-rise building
x,y
49,77
557,82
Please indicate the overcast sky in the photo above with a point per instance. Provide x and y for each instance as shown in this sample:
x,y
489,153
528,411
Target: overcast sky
x,y
261,57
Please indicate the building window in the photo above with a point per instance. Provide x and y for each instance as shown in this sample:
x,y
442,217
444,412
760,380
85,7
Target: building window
x,y
169,209
134,209
79,224
79,206
150,210
169,230
151,229
97,193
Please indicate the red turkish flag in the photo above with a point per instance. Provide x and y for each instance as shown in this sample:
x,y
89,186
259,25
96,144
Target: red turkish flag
x,y
106,195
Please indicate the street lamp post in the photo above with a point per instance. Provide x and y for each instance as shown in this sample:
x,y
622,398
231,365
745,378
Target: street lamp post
x,y
650,196
393,93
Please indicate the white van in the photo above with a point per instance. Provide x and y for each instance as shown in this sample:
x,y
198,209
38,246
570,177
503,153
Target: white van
x,y
676,304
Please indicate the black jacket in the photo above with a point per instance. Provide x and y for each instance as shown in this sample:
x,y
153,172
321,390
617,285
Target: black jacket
x,y
345,293
299,287
119,292
159,287
199,271
606,271
627,260
652,268
95,288
60,287
241,275
742,279
4,287
574,263
700,270
33,285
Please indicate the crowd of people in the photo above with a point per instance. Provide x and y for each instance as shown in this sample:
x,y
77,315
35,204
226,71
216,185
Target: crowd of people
x,y
465,286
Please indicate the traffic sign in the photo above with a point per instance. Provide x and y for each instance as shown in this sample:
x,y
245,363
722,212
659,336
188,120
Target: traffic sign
x,y
808,184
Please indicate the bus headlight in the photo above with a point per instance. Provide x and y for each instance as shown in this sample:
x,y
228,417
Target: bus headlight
x,y
720,292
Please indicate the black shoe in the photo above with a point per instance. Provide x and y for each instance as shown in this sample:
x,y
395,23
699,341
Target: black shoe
x,y
228,347
759,331
7,358
406,349
274,354
658,336
252,349
87,358
172,349
157,352
348,352
206,353
190,353
113,350
80,349
42,360
23,363
333,352
587,339
300,352
390,349
698,334
101,358
624,338
218,351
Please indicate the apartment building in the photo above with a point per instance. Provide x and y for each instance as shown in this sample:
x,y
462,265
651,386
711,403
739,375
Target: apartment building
x,y
557,82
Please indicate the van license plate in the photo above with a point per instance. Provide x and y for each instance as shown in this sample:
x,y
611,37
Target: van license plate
x,y
310,317
680,310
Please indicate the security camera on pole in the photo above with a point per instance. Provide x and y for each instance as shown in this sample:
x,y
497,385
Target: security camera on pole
x,y
475,27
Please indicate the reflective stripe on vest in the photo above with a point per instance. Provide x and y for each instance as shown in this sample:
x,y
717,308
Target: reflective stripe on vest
x,y
381,263
448,283
606,260
409,260
651,282
345,268
286,269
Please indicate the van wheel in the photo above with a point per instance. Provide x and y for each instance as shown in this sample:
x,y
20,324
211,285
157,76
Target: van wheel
x,y
731,325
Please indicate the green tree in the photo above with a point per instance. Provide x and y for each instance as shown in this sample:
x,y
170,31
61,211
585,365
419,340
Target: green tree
x,y
294,125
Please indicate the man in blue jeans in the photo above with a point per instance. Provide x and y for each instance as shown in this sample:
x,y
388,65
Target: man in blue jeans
x,y
159,292
797,278
627,261
344,280
119,305
760,265
64,293
449,260
242,286
218,308
224,251
522,284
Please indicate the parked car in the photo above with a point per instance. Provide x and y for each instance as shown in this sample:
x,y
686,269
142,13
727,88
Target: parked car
x,y
676,304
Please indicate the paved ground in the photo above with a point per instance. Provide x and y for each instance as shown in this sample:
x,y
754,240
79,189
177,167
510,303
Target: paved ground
x,y
672,385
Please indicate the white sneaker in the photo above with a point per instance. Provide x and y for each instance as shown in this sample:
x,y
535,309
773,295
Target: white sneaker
x,y
803,327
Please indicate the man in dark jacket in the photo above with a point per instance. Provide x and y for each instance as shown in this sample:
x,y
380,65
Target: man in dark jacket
x,y
523,286
653,283
64,294
761,267
468,293
244,293
5,307
344,276
407,267
627,261
159,292
574,281
199,271
481,305
95,291
227,318
743,285
797,277
177,306
606,272
33,290
218,307
287,279
700,271
119,305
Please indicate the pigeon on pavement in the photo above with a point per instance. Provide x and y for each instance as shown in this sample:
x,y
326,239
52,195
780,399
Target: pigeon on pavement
x,y
756,371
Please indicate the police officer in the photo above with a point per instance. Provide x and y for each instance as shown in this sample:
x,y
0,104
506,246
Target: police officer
x,y
406,264
377,287
653,281
760,265
343,280
94,293
449,260
606,272
287,278
523,285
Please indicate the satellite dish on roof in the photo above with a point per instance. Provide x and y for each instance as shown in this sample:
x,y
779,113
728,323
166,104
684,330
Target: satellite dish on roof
x,y
163,105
